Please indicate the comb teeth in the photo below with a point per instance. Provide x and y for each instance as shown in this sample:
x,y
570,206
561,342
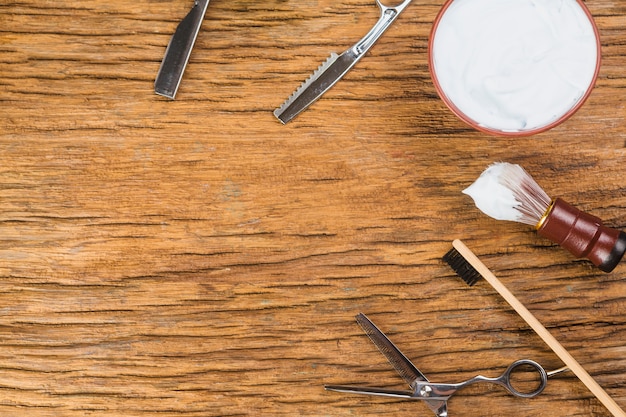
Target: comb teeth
x,y
396,358
462,267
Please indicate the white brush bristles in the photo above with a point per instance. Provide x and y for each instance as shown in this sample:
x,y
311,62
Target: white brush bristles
x,y
506,191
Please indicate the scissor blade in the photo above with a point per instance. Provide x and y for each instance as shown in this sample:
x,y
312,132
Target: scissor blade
x,y
401,363
372,391
384,392
396,358
178,51
322,79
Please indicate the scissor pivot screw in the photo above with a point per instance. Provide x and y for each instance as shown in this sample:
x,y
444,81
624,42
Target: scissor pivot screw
x,y
426,391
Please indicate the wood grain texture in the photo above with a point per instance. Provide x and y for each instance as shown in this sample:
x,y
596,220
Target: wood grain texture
x,y
197,258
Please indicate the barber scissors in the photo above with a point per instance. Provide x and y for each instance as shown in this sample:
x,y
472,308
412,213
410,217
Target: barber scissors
x,y
436,395
336,66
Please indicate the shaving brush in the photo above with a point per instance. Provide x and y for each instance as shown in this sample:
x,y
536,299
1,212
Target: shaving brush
x,y
506,191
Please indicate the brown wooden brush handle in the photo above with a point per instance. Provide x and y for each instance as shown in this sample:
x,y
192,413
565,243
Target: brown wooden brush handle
x,y
536,325
583,235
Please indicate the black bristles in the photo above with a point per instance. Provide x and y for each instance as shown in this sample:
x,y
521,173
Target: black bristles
x,y
463,268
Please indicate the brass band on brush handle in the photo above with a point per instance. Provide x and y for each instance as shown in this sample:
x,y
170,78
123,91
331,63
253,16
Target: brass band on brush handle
x,y
583,235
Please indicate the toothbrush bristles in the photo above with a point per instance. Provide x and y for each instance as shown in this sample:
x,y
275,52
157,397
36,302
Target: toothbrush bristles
x,y
462,267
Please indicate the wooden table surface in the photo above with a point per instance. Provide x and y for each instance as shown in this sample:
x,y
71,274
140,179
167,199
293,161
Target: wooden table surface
x,y
196,257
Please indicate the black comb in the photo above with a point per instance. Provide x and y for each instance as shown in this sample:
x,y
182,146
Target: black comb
x,y
462,267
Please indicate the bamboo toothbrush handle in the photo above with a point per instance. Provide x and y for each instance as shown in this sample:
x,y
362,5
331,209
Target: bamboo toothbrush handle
x,y
561,352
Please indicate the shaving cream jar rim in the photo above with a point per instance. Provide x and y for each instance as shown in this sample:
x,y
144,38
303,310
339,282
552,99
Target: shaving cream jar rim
x,y
482,83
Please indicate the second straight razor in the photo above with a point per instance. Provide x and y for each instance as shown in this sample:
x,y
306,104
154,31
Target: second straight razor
x,y
336,66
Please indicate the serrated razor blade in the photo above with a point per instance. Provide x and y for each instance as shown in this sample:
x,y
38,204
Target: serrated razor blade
x,y
322,79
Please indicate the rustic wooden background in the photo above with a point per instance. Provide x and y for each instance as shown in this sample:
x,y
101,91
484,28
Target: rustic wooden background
x,y
197,258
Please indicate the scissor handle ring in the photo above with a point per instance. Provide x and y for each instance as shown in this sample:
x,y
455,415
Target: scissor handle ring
x,y
543,378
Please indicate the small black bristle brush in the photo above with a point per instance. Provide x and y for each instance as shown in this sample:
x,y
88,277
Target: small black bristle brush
x,y
471,269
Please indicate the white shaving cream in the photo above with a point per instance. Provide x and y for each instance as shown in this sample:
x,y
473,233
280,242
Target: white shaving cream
x,y
493,198
514,65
